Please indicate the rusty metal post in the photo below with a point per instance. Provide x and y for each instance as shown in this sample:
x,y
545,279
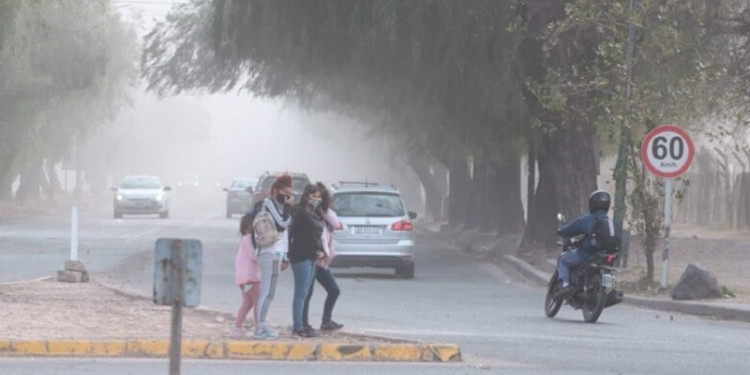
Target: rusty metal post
x,y
178,286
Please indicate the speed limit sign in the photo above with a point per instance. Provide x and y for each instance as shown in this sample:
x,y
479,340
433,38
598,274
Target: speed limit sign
x,y
667,151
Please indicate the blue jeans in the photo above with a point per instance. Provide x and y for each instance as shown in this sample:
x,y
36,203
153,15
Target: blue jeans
x,y
304,275
326,279
567,261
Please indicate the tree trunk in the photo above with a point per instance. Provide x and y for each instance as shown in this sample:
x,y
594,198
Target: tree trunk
x,y
31,181
433,195
441,181
460,187
542,225
6,185
507,177
478,210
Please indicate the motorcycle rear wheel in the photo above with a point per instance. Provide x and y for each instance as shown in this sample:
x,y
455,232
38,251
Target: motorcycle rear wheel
x,y
552,305
592,308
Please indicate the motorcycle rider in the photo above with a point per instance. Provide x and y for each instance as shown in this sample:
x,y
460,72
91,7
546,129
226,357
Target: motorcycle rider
x,y
599,203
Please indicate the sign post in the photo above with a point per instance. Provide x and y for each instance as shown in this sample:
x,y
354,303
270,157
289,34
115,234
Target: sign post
x,y
177,279
667,152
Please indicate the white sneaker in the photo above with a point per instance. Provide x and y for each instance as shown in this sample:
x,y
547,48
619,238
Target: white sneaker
x,y
237,333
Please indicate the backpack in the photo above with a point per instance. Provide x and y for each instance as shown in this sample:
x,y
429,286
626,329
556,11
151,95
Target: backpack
x,y
264,227
603,236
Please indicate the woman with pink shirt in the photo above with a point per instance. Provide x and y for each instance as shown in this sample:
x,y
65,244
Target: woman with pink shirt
x,y
322,271
247,276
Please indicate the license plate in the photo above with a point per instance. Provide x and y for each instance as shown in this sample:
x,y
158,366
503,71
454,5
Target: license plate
x,y
608,281
142,204
366,230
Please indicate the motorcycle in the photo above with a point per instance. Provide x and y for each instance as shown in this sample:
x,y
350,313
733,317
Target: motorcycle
x,y
592,283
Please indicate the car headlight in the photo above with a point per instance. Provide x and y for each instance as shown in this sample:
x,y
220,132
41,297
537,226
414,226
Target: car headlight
x,y
119,197
159,197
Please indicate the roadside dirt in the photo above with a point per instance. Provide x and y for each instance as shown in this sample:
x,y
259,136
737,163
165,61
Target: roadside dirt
x,y
725,253
47,309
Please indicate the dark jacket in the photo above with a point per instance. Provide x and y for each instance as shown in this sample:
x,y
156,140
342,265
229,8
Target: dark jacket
x,y
583,225
304,236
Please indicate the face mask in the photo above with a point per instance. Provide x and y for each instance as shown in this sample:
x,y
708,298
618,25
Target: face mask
x,y
281,198
314,202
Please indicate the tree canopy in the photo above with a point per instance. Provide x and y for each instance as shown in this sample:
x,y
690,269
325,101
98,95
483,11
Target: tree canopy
x,y
65,67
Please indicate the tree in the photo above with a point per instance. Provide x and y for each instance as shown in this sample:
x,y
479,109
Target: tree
x,y
689,37
435,75
61,80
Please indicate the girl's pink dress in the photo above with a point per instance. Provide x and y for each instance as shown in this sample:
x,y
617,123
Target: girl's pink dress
x,y
247,268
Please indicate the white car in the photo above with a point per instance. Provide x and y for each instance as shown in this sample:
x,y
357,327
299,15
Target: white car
x,y
141,195
377,228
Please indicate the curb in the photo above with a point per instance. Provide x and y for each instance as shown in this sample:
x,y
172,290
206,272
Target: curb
x,y
719,311
253,350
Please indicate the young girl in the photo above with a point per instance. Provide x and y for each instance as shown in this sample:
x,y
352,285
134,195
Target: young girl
x,y
247,276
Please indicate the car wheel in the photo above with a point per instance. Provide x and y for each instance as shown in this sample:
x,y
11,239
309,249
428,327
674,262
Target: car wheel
x,y
405,272
164,214
118,214
229,214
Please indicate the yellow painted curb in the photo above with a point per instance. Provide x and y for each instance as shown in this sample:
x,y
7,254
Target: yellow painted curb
x,y
61,348
261,350
30,347
344,352
194,349
302,351
148,348
257,350
441,353
397,352
5,346
108,348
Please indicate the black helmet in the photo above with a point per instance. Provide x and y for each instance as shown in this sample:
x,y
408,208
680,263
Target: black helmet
x,y
599,200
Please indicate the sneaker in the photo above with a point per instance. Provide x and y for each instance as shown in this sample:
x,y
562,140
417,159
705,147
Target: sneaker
x,y
563,292
270,333
264,335
237,333
330,326
307,327
305,333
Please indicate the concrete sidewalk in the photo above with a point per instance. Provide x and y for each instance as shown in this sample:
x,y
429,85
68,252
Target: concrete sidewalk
x,y
715,309
46,318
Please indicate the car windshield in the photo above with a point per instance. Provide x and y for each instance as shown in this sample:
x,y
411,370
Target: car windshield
x,y
298,183
241,184
140,183
368,204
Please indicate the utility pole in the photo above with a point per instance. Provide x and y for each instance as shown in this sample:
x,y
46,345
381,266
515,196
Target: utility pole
x,y
621,169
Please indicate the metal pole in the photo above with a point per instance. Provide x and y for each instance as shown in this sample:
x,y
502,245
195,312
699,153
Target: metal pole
x,y
74,233
621,170
669,183
178,283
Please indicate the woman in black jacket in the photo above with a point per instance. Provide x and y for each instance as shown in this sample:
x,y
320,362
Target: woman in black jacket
x,y
305,247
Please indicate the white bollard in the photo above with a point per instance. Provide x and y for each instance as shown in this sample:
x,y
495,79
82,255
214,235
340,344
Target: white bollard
x,y
74,233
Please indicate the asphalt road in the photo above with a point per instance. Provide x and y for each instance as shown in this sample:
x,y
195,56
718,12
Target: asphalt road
x,y
498,320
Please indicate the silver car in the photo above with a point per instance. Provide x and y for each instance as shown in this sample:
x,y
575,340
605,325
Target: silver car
x,y
377,228
239,195
141,195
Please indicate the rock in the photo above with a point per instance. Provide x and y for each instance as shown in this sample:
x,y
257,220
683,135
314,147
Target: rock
x,y
72,276
696,283
69,276
74,265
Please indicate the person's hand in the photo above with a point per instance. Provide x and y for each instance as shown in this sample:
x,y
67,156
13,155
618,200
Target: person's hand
x,y
284,265
321,254
289,200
